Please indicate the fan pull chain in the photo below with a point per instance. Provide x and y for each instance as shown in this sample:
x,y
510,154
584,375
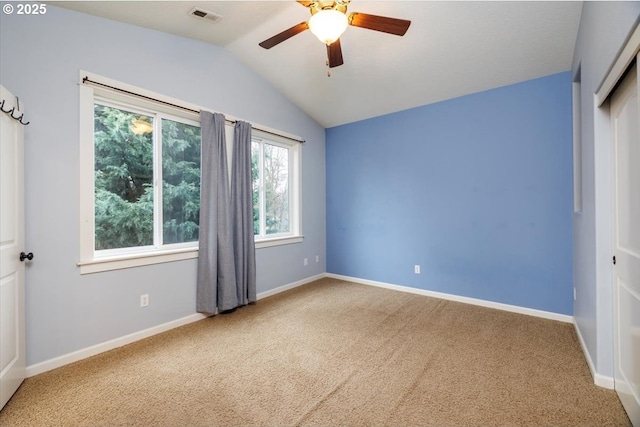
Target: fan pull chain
x,y
328,68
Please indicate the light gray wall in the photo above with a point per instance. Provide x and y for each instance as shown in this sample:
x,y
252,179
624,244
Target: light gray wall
x,y
40,59
604,27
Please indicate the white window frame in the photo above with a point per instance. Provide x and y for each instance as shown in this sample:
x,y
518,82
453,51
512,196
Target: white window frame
x,y
157,179
294,235
89,261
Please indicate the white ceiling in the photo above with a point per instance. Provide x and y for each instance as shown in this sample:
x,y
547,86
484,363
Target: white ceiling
x,y
452,48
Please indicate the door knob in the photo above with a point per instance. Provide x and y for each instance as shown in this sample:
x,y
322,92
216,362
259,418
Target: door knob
x,y
24,256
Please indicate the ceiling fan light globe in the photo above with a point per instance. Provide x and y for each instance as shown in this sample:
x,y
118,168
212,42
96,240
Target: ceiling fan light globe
x,y
328,25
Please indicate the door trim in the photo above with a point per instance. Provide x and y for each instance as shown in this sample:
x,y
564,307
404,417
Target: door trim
x,y
619,67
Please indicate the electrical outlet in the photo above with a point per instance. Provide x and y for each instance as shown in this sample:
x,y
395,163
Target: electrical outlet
x,y
416,269
574,293
317,258
306,261
144,300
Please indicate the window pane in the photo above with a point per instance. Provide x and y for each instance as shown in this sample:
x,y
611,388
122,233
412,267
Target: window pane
x,y
123,178
180,182
255,184
276,189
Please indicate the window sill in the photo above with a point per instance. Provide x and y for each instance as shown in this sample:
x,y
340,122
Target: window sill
x,y
119,262
277,241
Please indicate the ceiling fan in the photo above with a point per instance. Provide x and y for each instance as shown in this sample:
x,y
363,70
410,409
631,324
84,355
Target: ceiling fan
x,y
329,20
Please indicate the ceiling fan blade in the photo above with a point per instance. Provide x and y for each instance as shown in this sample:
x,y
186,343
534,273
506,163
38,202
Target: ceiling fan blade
x,y
334,53
379,23
286,34
305,3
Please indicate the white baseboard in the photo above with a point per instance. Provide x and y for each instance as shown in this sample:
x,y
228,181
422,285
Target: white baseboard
x,y
603,381
598,379
75,356
283,288
474,301
66,359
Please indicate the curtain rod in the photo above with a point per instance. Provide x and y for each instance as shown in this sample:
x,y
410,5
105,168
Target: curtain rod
x,y
87,79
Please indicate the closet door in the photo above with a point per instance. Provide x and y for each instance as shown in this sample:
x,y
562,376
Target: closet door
x,y
625,128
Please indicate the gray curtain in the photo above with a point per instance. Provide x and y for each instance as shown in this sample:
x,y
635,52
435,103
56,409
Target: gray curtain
x,y
216,268
242,211
226,259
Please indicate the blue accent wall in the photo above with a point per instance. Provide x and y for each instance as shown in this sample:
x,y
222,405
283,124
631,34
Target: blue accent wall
x,y
477,190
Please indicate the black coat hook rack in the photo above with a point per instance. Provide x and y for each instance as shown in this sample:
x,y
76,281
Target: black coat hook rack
x,y
12,110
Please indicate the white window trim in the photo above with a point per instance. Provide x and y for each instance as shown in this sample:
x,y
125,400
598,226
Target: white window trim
x,y
135,260
277,241
88,262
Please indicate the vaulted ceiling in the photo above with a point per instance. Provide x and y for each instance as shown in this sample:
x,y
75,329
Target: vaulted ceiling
x,y
452,48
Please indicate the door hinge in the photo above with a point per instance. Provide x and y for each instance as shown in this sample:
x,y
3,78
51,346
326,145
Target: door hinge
x,y
614,260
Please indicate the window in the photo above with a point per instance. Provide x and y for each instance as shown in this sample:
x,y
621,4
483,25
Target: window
x,y
147,179
274,165
140,179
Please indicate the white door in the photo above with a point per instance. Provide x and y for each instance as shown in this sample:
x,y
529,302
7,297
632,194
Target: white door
x,y
12,347
625,118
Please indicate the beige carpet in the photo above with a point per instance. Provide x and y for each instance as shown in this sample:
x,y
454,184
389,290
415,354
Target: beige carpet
x,y
332,353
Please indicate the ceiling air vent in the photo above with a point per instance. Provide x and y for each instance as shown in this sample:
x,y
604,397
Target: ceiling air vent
x,y
205,14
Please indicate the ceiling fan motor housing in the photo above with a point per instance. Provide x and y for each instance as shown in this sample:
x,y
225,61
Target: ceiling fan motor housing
x,y
317,6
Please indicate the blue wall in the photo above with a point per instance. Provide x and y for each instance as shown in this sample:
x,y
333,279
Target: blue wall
x,y
477,190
